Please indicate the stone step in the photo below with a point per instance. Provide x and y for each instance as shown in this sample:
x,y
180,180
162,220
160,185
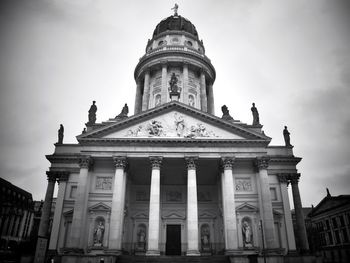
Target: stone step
x,y
172,259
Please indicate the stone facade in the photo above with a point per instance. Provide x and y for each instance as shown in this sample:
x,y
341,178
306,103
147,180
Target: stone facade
x,y
173,179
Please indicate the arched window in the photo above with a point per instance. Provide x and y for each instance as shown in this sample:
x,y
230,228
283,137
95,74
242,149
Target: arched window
x,y
191,100
157,100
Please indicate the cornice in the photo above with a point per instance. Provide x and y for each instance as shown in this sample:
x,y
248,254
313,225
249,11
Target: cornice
x,y
54,158
284,159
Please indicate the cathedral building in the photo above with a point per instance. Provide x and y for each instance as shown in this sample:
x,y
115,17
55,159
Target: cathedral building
x,y
173,179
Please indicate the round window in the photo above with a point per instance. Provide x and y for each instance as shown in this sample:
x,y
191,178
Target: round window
x,y
189,43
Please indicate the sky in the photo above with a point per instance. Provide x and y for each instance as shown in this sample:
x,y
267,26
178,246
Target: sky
x,y
292,58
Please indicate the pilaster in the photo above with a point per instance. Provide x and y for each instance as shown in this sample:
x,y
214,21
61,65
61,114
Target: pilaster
x,y
203,92
164,91
138,97
145,98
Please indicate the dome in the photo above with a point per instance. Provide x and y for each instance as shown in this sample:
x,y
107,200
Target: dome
x,y
177,23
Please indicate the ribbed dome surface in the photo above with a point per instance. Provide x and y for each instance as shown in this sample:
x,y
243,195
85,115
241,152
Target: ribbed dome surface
x,y
177,23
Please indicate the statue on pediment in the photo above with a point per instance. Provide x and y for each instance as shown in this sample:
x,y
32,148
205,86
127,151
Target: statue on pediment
x,y
60,134
286,136
124,113
92,113
255,113
226,113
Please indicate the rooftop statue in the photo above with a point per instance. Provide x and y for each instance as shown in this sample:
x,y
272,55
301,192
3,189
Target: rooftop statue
x,y
226,113
175,9
286,136
255,113
125,111
60,134
92,113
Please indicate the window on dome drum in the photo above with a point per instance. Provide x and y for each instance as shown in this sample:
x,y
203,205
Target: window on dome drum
x,y
161,43
189,43
157,100
191,101
73,191
273,194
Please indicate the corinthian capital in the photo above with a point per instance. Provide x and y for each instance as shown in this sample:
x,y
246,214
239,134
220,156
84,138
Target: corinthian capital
x,y
156,162
283,178
191,163
262,163
227,162
294,178
120,162
85,162
51,176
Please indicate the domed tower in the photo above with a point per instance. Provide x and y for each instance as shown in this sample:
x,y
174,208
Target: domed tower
x,y
175,48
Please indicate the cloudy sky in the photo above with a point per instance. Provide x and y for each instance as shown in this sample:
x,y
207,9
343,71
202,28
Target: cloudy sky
x,y
292,58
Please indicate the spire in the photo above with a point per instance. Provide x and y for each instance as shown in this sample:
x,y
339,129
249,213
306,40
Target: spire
x,y
328,194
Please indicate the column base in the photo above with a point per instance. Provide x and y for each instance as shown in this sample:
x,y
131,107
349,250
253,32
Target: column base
x,y
153,253
193,253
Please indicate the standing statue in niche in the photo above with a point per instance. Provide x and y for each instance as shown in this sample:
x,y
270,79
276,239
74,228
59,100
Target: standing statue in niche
x,y
173,84
226,113
92,113
60,134
286,136
247,234
255,112
141,239
98,234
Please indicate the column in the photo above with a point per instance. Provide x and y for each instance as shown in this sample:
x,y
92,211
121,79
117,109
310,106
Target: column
x,y
300,223
138,98
145,98
286,210
185,83
229,206
56,224
192,209
154,207
211,109
41,245
46,210
77,240
203,92
266,213
118,204
23,223
164,95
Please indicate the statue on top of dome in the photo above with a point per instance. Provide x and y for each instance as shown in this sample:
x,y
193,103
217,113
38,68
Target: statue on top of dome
x,y
175,9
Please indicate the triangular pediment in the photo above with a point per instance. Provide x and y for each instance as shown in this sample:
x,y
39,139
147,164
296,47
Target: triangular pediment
x,y
140,215
99,207
173,121
173,215
245,207
207,215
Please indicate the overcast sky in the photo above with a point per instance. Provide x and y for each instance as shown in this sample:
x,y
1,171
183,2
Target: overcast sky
x,y
292,58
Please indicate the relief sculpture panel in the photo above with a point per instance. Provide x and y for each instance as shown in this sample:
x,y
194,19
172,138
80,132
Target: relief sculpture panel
x,y
243,185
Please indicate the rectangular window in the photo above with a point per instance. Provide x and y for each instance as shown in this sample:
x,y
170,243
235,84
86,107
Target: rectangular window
x,y
273,194
345,235
342,221
327,225
337,237
334,222
330,238
73,191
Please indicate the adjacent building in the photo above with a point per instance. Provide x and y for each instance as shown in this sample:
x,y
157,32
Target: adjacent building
x,y
330,231
174,178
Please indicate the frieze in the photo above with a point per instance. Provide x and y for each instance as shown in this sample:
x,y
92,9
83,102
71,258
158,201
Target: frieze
x,y
103,183
176,126
173,196
204,196
243,185
142,196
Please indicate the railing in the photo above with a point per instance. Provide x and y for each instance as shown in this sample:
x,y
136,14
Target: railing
x,y
175,48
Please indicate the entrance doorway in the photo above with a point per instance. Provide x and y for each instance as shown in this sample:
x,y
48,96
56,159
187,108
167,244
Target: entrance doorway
x,y
173,240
